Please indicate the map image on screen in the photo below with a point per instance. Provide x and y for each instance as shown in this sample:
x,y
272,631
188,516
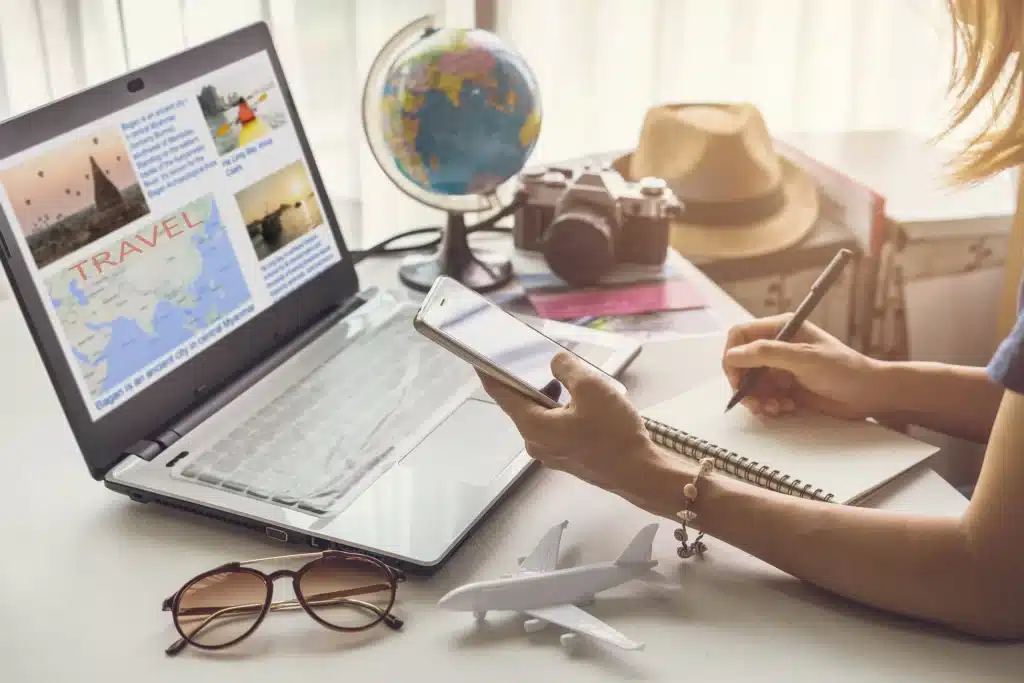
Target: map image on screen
x,y
125,306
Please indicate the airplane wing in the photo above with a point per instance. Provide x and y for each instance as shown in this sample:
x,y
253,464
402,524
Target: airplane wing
x,y
545,556
575,619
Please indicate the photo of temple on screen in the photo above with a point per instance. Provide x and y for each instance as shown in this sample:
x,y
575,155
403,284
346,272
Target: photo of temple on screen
x,y
279,209
74,194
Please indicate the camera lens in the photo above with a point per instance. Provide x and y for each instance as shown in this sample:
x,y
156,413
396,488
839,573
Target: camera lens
x,y
135,85
579,247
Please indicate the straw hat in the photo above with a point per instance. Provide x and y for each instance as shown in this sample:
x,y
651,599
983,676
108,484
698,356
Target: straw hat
x,y
740,198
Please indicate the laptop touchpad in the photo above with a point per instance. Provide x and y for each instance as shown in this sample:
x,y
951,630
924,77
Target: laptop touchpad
x,y
472,445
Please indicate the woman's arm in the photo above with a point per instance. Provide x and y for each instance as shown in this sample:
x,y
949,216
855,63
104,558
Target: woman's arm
x,y
816,371
955,400
965,573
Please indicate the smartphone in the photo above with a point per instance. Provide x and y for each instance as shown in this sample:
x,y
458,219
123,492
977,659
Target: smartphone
x,y
495,341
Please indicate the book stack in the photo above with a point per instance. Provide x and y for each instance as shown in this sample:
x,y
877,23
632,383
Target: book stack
x,y
934,251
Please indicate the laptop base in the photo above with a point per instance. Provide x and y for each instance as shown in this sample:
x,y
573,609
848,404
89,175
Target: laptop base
x,y
306,539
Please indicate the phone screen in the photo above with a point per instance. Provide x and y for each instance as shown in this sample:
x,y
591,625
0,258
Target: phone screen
x,y
509,343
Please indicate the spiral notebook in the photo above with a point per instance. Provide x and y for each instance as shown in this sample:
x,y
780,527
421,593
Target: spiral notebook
x,y
807,455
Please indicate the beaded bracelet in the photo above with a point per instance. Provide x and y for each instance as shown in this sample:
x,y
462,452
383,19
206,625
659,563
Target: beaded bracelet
x,y
687,550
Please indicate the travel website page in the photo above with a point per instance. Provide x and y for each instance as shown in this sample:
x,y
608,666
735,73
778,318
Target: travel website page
x,y
162,228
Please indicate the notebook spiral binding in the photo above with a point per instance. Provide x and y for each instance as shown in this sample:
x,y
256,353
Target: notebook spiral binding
x,y
732,463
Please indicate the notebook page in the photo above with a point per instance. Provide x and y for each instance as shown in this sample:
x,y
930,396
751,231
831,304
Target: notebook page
x,y
843,457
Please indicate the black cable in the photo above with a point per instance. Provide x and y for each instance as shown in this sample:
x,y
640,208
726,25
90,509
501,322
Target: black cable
x,y
384,248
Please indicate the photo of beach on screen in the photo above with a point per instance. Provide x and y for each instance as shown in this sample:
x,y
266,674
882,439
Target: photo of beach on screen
x,y
279,209
74,194
242,106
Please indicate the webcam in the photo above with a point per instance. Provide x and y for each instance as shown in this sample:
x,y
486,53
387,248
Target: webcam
x,y
135,85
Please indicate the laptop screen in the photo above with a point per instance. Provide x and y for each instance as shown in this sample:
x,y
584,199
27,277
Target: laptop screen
x,y
161,228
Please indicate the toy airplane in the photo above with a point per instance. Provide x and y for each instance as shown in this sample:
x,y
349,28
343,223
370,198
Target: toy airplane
x,y
550,595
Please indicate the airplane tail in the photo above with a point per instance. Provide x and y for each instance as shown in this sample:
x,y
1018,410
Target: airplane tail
x,y
639,549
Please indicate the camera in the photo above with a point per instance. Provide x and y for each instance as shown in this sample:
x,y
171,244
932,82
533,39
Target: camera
x,y
585,224
135,85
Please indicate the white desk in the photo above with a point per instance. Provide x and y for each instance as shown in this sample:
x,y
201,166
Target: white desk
x,y
83,573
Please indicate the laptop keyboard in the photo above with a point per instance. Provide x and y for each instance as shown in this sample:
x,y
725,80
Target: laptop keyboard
x,y
325,435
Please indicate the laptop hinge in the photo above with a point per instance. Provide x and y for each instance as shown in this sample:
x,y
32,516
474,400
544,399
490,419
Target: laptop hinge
x,y
167,438
145,449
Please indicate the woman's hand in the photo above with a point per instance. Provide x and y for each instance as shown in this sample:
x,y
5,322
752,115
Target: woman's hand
x,y
814,370
598,436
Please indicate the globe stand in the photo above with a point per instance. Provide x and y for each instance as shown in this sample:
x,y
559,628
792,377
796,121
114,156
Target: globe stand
x,y
482,270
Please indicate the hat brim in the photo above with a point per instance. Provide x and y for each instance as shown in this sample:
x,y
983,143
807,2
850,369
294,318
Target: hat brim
x,y
786,228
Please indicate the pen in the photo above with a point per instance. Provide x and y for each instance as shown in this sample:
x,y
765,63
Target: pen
x,y
806,307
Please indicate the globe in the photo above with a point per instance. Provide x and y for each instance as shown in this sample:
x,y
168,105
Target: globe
x,y
460,112
450,115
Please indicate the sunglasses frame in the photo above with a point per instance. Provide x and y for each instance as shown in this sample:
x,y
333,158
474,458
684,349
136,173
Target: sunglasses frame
x,y
395,576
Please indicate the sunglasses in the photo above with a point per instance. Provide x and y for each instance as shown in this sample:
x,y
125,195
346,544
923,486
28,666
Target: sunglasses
x,y
342,591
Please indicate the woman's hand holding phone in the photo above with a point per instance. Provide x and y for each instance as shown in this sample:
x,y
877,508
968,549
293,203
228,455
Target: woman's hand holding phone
x,y
598,436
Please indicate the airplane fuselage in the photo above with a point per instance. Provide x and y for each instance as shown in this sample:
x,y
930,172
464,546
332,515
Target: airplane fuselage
x,y
530,590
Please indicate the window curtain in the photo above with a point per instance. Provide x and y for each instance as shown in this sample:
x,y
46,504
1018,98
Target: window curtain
x,y
51,48
807,64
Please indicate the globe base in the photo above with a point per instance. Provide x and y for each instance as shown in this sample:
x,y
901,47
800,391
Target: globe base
x,y
490,271
481,270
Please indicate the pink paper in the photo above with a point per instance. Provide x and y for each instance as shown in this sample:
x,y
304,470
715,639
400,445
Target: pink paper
x,y
672,295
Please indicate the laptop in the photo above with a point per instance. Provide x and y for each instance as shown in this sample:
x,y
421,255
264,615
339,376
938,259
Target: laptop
x,y
170,243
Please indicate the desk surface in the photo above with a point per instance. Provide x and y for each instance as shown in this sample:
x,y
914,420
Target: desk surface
x,y
84,571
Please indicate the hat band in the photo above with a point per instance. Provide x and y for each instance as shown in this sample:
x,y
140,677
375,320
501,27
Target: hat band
x,y
740,212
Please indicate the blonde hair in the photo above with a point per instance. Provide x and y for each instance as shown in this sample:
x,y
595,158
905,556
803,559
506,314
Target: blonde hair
x,y
986,66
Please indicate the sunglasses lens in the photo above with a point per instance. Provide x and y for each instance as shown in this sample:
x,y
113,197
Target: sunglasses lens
x,y
220,609
347,592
